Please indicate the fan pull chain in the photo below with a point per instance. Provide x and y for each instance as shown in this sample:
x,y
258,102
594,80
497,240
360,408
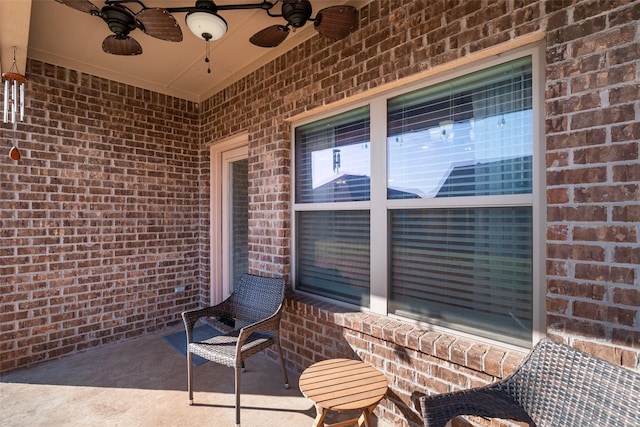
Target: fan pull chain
x,y
207,54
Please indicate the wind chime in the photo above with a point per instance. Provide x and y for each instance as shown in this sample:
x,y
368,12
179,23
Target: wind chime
x,y
13,106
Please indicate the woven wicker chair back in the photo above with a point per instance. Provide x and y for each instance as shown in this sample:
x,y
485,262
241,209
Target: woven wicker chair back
x,y
256,298
558,385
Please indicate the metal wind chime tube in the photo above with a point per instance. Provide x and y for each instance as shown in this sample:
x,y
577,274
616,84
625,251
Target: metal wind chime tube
x,y
13,92
6,100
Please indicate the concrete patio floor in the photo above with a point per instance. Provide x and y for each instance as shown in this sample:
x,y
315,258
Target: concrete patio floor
x,y
142,382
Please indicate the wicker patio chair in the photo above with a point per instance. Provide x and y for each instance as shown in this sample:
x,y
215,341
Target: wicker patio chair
x,y
555,385
254,311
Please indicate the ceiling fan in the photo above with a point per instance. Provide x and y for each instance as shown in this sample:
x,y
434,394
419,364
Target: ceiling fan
x,y
202,19
122,20
334,22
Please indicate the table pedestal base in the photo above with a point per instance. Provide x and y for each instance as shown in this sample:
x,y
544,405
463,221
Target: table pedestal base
x,y
363,420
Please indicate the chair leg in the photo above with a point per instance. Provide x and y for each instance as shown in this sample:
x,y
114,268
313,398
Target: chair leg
x,y
190,377
284,370
237,369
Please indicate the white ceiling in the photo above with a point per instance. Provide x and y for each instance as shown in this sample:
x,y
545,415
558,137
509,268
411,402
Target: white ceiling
x,y
63,36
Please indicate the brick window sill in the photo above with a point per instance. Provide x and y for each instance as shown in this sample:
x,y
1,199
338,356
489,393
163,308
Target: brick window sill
x,y
490,362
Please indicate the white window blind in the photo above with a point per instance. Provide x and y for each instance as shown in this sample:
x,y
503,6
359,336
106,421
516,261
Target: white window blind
x,y
468,137
467,268
332,244
333,159
333,254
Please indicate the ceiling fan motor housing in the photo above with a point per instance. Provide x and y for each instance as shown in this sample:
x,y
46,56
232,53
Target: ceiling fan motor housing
x,y
206,4
119,20
296,12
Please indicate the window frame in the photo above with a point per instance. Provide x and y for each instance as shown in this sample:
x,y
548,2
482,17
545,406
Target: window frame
x,y
379,205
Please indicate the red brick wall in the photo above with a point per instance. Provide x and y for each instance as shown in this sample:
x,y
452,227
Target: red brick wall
x,y
592,114
102,265
593,175
100,218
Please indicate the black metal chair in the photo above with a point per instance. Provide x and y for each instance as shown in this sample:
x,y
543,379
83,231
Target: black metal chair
x,y
556,385
253,311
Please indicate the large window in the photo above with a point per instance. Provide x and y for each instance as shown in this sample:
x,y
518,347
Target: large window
x,y
457,209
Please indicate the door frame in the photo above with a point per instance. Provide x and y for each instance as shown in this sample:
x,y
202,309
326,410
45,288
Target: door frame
x,y
218,291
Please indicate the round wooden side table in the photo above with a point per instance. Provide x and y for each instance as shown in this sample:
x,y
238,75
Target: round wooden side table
x,y
343,384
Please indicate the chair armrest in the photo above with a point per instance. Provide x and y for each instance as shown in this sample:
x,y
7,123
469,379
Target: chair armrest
x,y
488,401
270,324
191,317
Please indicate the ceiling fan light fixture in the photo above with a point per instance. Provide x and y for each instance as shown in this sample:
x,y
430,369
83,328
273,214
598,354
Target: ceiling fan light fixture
x,y
206,25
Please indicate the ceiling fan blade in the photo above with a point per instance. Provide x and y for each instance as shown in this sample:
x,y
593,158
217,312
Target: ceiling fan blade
x,y
336,22
81,5
160,24
271,36
121,46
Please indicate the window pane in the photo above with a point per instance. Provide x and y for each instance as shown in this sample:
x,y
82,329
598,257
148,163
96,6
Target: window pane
x,y
333,159
471,136
468,268
333,255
